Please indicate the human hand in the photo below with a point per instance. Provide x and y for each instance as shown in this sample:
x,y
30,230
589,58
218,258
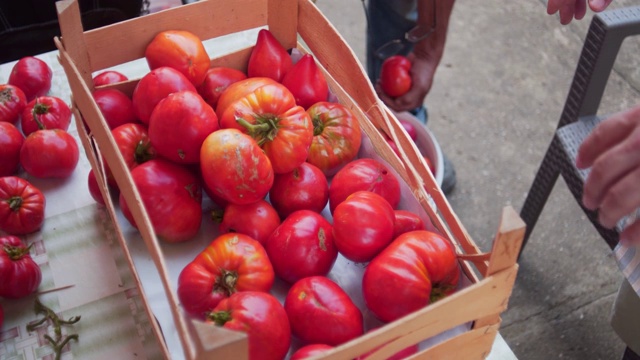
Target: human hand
x,y
570,9
612,150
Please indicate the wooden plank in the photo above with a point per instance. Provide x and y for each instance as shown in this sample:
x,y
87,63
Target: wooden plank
x,y
283,21
474,344
206,19
72,33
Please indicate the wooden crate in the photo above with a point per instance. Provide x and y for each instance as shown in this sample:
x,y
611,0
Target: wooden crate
x,y
293,22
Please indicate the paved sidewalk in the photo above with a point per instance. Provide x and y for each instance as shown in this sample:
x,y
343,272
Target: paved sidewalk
x,y
494,107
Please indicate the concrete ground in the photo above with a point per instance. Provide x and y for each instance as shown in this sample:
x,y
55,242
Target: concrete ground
x,y
494,106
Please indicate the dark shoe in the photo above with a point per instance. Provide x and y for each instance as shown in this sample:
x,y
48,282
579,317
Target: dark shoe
x,y
449,176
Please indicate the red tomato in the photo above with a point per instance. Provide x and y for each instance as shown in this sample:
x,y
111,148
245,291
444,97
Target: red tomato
x,y
320,312
230,263
133,142
283,130
116,107
405,221
362,226
155,86
257,220
364,174
32,75
21,206
49,154
12,101
305,188
216,81
20,275
250,177
45,112
400,355
262,317
11,140
94,188
432,167
395,75
172,197
179,124
302,246
336,136
268,58
308,351
108,77
418,268
238,90
181,50
1,317
410,129
306,82
393,146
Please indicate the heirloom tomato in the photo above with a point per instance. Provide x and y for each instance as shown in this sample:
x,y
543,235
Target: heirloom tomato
x,y
49,154
234,167
12,101
405,221
257,220
305,188
172,197
21,206
302,246
132,140
282,129
364,174
155,86
94,188
216,81
45,112
179,124
362,225
11,140
268,58
306,82
116,107
238,90
320,312
261,317
32,75
109,77
20,275
395,75
231,263
417,268
309,351
181,50
336,136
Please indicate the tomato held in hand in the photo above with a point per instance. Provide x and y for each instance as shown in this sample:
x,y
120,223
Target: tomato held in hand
x,y
305,188
248,179
116,107
181,50
216,81
282,129
11,140
21,206
32,75
308,351
12,101
364,174
109,77
405,221
155,86
268,58
302,246
336,136
49,154
45,112
172,196
257,220
363,226
419,267
320,312
229,264
179,124
395,76
306,82
20,275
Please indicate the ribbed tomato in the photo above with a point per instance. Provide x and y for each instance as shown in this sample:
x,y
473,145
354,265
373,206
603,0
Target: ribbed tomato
x,y
21,206
20,275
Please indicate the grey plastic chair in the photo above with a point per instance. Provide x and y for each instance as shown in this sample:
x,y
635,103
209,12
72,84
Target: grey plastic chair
x,y
602,43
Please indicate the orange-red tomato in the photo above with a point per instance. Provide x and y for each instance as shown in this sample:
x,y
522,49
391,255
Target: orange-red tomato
x,y
181,50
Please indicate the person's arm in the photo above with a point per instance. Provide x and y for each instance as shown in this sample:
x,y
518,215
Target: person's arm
x,y
612,150
574,9
426,54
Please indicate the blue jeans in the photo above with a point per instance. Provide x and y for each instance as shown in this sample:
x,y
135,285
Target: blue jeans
x,y
385,25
